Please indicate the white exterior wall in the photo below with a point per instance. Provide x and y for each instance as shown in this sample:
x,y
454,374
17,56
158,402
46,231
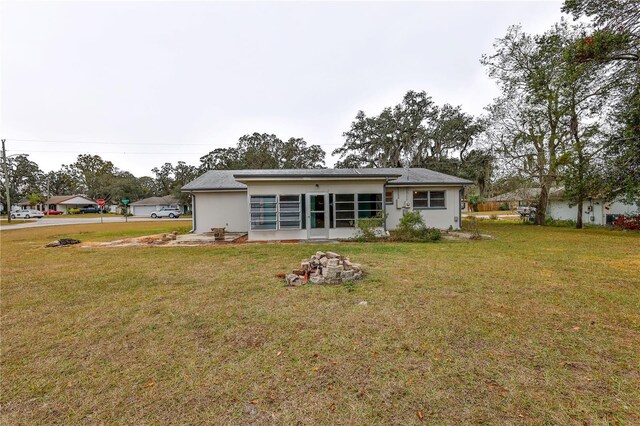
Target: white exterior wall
x,y
594,212
298,187
618,207
228,210
142,210
433,218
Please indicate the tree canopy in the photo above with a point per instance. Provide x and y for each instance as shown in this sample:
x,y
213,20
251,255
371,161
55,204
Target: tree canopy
x,y
265,151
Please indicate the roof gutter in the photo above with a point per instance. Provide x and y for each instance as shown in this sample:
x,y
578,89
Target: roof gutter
x,y
464,183
313,175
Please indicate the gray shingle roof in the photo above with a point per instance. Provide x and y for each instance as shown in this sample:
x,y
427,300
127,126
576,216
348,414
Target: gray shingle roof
x,y
156,201
60,199
228,179
419,176
215,180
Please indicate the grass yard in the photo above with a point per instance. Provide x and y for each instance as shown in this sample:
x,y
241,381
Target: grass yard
x,y
539,326
491,213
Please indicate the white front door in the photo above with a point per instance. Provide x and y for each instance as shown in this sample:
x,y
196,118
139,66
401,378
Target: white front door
x,y
318,216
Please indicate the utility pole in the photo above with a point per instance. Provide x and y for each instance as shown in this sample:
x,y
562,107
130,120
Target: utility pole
x,y
6,180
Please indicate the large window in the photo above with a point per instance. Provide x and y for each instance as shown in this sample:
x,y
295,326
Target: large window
x,y
271,212
289,212
345,210
369,205
349,207
264,212
429,200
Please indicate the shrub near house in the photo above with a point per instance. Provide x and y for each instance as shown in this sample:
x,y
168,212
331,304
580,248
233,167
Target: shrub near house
x,y
628,222
413,228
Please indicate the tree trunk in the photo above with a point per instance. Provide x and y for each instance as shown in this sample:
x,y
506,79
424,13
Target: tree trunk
x,y
579,218
541,208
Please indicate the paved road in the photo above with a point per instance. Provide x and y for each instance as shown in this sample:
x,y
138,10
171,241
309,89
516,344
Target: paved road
x,y
78,221
486,216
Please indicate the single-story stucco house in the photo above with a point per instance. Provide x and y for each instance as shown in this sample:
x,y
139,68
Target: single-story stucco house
x,y
26,204
320,203
517,198
146,206
595,210
62,203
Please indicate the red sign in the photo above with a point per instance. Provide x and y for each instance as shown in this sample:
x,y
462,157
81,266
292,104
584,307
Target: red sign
x,y
100,202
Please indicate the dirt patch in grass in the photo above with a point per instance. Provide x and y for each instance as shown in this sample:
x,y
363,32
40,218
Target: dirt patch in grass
x,y
534,327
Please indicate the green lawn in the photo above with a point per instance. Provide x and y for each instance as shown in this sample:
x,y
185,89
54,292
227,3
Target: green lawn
x,y
538,326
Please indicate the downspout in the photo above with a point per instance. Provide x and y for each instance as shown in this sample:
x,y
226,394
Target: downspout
x,y
460,208
193,213
384,204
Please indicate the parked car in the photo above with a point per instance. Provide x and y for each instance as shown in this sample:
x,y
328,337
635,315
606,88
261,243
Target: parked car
x,y
26,214
90,209
526,210
166,212
52,212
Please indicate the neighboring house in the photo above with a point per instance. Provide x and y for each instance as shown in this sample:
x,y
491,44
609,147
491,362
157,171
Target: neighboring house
x,y
62,203
146,206
320,203
24,204
112,208
515,199
596,210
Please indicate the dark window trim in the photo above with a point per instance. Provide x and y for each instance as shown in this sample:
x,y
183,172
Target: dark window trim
x,y
388,202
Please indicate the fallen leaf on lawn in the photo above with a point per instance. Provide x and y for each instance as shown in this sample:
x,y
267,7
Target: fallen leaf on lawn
x,y
395,405
279,353
576,328
316,355
254,401
69,384
149,384
420,415
333,407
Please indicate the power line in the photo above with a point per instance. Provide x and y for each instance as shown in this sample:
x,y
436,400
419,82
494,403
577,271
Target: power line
x,y
131,143
107,143
107,152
